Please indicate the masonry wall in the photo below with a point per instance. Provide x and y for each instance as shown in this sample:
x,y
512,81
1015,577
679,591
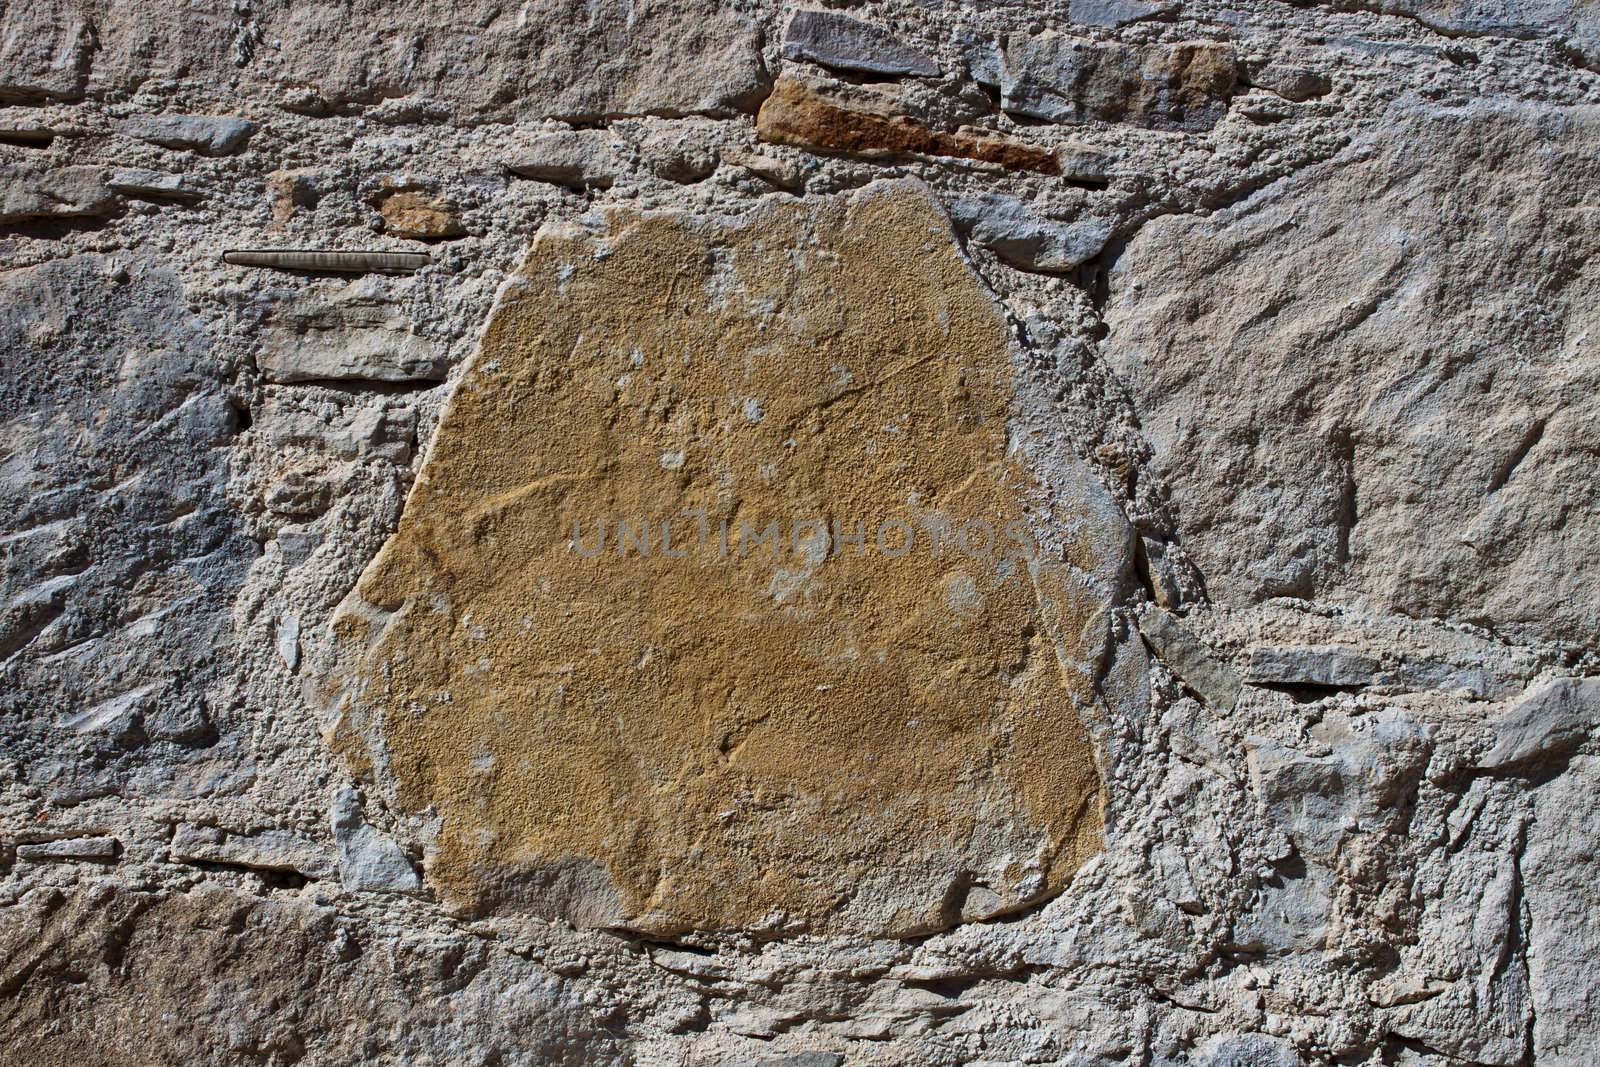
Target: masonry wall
x,y
1269,329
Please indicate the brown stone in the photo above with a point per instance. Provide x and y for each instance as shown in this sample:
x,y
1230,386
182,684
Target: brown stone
x,y
815,116
413,214
799,735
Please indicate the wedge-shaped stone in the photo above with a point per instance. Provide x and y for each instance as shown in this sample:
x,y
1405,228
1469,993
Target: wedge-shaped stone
x,y
861,121
850,724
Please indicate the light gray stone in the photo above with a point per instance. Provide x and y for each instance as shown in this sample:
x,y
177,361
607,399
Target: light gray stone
x,y
583,159
1062,78
1249,1050
1006,226
1336,667
1111,14
209,135
120,718
1573,22
1551,720
357,432
835,39
265,850
1216,683
1288,80
1561,878
65,192
1364,463
346,332
369,860
46,48
154,185
287,641
71,849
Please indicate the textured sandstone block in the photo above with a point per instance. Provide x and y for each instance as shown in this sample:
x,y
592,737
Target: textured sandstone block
x,y
409,213
859,122
695,726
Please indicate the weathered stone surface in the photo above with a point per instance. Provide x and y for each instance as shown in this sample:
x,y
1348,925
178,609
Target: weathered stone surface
x,y
1553,719
218,976
1311,666
1060,78
1111,14
409,213
346,332
568,59
696,745
684,152
1407,437
118,551
1331,807
265,850
590,159
46,47
1557,876
352,433
1574,22
67,192
209,135
1399,872
1216,682
79,849
834,118
369,860
783,173
1249,1050
1005,226
835,39
154,185
1288,80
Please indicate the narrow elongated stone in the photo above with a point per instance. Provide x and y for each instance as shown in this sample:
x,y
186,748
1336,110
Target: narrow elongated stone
x,y
348,262
808,115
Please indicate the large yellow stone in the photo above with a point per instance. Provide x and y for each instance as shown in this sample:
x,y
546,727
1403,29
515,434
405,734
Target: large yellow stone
x,y
777,735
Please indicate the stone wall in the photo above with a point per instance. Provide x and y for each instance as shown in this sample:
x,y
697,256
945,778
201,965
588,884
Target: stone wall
x,y
877,533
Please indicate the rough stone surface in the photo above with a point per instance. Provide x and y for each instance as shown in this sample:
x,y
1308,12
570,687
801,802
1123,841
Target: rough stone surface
x,y
729,712
1418,422
69,192
832,118
407,213
837,40
209,135
45,51
1290,305
1005,226
346,331
1061,78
